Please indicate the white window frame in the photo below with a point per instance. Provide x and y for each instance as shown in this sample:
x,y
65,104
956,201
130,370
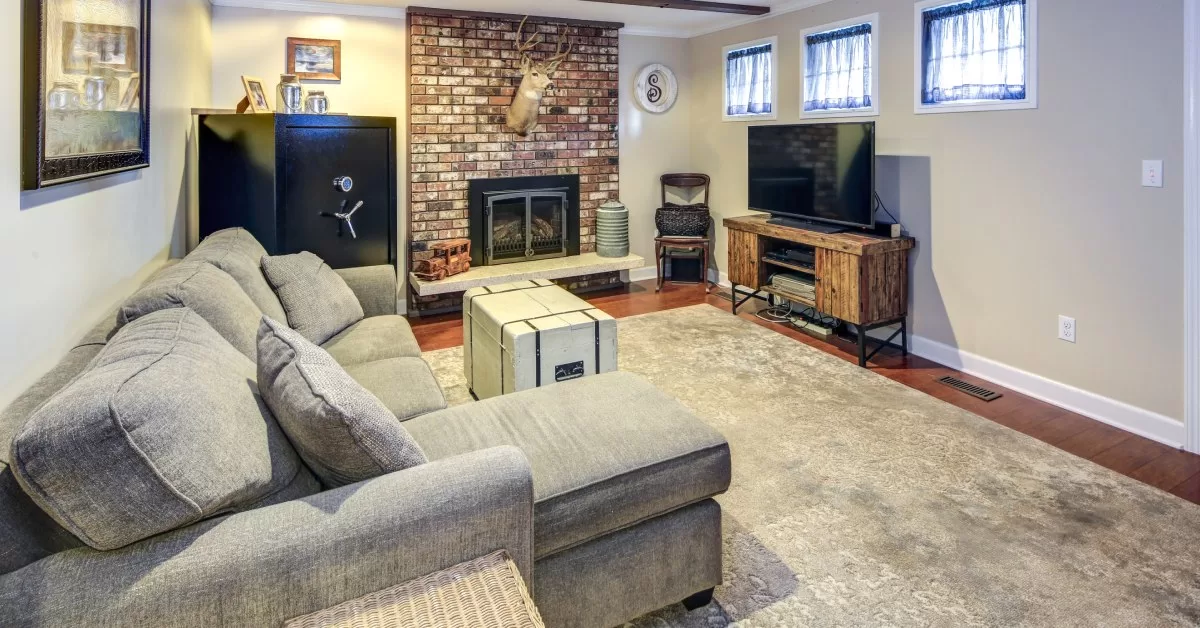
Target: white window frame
x,y
861,112
1031,65
774,115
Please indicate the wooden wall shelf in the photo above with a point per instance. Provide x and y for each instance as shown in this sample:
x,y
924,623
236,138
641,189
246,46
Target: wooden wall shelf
x,y
860,279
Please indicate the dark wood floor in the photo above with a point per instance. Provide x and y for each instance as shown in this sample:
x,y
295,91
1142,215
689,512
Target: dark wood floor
x,y
1158,465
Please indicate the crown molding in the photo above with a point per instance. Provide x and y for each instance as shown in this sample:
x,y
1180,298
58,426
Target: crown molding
x,y
312,6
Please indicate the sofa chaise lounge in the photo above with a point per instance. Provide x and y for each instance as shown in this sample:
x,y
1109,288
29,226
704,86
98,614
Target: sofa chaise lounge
x,y
600,489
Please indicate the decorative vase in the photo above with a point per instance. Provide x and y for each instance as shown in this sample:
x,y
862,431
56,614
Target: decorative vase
x,y
612,230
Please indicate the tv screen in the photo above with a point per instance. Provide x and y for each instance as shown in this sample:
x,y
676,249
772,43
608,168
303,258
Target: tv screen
x,y
819,172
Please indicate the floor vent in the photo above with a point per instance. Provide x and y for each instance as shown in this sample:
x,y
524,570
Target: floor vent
x,y
970,389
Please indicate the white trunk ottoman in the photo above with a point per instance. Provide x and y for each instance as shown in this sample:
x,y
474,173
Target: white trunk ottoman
x,y
528,334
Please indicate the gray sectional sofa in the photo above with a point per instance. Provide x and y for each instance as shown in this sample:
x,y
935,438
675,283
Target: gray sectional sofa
x,y
600,489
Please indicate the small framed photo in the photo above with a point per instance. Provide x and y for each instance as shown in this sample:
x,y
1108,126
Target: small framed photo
x,y
256,93
314,59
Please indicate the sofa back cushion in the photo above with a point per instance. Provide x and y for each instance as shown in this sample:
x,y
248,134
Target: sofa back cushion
x,y
236,252
164,428
207,290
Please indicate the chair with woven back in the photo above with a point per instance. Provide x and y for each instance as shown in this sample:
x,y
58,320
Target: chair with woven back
x,y
686,220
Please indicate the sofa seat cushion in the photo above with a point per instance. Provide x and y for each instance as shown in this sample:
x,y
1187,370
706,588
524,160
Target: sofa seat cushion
x,y
373,339
209,292
607,452
164,428
405,385
236,252
341,430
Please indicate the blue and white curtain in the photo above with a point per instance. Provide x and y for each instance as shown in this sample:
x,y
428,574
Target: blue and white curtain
x,y
838,72
748,79
974,51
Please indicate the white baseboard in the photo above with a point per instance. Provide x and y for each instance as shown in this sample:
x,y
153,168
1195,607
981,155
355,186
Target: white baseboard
x,y
1115,413
640,274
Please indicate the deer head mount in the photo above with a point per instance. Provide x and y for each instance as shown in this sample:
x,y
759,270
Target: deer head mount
x,y
537,79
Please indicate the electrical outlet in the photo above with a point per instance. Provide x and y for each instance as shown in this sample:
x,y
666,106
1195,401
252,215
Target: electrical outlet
x,y
1152,173
1066,328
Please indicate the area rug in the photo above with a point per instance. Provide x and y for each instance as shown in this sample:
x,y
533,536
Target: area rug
x,y
857,501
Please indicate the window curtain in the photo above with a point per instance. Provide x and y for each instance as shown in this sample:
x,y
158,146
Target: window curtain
x,y
974,51
748,81
838,72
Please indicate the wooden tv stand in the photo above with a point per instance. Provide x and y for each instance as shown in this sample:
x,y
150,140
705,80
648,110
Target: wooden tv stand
x,y
860,279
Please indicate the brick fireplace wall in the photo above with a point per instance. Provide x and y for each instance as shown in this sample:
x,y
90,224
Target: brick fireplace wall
x,y
464,71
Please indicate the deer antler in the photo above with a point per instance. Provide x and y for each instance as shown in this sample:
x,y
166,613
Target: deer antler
x,y
526,45
559,52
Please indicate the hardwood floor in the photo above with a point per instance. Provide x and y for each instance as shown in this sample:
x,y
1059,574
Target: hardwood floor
x,y
1153,463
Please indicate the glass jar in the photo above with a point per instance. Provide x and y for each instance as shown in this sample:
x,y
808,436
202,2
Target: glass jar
x,y
316,103
95,92
64,96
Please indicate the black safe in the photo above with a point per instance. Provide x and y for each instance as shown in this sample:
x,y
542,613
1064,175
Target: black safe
x,y
325,184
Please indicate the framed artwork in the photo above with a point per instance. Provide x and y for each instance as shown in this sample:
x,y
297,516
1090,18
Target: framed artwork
x,y
256,94
314,59
656,88
85,68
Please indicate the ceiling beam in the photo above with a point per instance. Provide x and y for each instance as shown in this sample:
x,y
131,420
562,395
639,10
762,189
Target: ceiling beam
x,y
694,5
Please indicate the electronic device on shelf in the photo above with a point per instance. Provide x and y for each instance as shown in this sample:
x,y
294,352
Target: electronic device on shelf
x,y
819,177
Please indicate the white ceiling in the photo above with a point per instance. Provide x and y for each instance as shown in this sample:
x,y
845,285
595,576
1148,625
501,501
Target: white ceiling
x,y
638,20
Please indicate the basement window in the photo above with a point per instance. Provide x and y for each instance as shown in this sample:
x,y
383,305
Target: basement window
x,y
751,91
839,62
979,55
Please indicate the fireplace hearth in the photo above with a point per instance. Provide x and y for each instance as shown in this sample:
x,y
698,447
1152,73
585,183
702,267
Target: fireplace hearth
x,y
518,219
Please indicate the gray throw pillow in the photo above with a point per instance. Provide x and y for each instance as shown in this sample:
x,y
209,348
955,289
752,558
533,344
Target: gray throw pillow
x,y
317,300
343,432
164,428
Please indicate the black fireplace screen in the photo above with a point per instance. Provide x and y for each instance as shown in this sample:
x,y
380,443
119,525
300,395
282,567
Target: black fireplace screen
x,y
525,225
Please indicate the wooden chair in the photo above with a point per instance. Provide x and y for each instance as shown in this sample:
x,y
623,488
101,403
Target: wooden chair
x,y
663,244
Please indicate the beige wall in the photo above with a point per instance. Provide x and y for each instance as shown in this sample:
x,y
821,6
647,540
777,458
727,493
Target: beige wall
x,y
254,41
72,253
1031,214
651,144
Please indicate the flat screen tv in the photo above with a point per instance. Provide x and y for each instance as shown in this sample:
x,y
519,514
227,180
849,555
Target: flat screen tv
x,y
814,172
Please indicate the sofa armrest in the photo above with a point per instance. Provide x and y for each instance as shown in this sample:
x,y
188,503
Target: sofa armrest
x,y
261,567
375,287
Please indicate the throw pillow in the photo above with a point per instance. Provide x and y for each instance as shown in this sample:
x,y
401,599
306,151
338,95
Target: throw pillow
x,y
342,431
164,428
317,300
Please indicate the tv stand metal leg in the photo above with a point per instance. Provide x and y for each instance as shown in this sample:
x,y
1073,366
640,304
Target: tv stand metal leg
x,y
904,336
862,347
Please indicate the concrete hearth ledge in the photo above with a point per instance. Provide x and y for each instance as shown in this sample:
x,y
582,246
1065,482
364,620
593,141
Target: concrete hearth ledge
x,y
558,268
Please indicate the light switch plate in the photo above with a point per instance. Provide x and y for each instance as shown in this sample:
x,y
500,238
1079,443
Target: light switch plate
x,y
1152,173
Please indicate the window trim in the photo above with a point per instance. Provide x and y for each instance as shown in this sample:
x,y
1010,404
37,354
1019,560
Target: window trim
x,y
774,115
861,112
1031,65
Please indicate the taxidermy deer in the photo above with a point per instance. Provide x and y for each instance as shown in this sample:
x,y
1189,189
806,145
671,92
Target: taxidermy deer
x,y
537,79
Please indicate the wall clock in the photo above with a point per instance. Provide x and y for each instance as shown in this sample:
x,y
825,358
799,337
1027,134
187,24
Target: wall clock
x,y
656,88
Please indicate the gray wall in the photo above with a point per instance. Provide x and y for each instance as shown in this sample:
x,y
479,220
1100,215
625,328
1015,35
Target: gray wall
x,y
1030,214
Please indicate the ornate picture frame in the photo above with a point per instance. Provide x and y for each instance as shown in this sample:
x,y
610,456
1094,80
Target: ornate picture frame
x,y
85,90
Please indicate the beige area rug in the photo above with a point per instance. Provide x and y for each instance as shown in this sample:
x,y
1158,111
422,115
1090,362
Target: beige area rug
x,y
857,501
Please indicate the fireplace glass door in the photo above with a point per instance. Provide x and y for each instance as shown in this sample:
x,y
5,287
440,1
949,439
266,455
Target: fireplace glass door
x,y
526,225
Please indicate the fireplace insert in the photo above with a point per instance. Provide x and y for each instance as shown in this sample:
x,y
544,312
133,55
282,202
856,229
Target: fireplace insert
x,y
525,225
517,219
